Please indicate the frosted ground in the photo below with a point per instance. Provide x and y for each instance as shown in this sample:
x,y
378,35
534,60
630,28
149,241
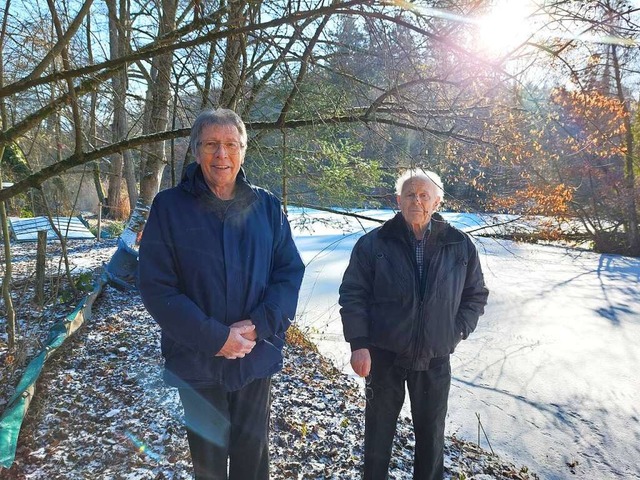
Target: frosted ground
x,y
552,370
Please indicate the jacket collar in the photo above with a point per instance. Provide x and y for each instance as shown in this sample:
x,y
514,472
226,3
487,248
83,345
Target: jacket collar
x,y
193,182
193,179
445,233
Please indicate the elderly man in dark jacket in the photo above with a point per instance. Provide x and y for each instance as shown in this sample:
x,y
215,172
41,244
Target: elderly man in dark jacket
x,y
413,289
220,273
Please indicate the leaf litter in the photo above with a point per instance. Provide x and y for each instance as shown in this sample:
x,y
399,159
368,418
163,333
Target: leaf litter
x,y
101,409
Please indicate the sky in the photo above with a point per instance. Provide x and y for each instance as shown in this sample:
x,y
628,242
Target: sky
x,y
552,369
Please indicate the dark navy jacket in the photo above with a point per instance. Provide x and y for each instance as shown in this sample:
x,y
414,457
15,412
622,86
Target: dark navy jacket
x,y
382,302
198,274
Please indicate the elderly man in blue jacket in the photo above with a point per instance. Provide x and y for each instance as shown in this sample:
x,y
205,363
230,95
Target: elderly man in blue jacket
x,y
412,291
220,273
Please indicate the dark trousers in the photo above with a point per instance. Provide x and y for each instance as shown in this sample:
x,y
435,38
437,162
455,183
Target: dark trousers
x,y
385,390
229,426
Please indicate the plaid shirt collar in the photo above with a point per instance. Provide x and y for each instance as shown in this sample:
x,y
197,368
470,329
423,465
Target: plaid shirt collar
x,y
418,246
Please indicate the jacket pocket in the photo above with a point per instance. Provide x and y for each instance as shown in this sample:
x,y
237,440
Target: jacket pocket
x,y
450,282
441,333
390,282
264,360
167,346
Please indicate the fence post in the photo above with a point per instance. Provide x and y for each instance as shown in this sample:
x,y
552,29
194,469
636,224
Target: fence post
x,y
99,220
41,264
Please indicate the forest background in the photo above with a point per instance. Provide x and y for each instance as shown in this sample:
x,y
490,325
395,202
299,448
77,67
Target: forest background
x,y
526,107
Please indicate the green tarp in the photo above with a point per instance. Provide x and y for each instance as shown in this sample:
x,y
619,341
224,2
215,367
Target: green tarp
x,y
12,417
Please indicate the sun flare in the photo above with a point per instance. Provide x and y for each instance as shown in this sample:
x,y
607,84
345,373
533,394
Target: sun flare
x,y
506,26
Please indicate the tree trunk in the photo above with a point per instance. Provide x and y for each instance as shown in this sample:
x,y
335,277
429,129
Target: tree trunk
x,y
119,125
285,193
130,179
129,168
154,154
92,135
97,182
233,69
204,101
6,280
122,267
629,174
115,185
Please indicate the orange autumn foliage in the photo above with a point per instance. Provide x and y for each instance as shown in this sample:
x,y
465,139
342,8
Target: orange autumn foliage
x,y
550,200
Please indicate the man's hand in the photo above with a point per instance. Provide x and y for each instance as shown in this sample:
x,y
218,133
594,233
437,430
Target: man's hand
x,y
361,361
237,344
250,335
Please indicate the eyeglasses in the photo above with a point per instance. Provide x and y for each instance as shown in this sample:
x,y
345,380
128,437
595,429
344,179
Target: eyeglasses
x,y
212,147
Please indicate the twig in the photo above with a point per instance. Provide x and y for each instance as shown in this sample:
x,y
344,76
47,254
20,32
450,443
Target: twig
x,y
485,434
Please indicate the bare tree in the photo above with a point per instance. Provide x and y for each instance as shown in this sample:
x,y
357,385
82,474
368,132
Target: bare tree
x,y
92,127
277,56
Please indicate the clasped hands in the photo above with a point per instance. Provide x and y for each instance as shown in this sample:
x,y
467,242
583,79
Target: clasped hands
x,y
241,340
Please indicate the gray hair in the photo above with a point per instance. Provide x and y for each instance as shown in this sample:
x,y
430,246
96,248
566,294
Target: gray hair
x,y
427,175
220,116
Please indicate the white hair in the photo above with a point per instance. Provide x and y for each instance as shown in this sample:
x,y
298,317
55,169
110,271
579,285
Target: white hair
x,y
419,173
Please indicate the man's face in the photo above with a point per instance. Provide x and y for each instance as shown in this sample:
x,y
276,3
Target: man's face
x,y
221,165
418,201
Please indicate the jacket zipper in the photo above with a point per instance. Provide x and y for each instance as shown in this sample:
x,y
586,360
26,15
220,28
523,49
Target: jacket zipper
x,y
418,335
421,320
417,327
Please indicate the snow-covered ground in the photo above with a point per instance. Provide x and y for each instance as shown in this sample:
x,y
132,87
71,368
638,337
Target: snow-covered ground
x,y
552,370
101,410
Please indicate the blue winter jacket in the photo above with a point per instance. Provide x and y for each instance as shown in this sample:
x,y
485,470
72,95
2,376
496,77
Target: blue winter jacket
x,y
198,274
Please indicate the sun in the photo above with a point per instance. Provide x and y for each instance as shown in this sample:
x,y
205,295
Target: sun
x,y
505,27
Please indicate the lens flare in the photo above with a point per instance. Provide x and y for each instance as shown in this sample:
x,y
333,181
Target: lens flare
x,y
141,447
